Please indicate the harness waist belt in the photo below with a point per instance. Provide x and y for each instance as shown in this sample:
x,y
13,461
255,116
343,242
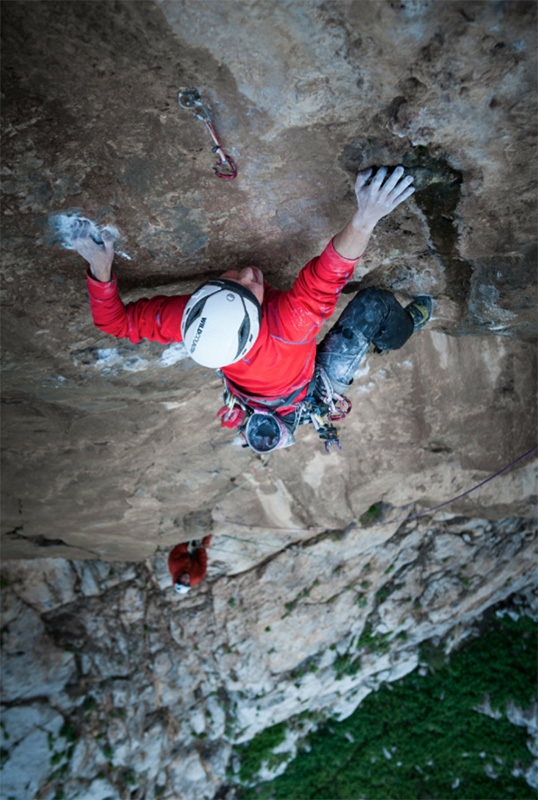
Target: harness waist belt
x,y
274,402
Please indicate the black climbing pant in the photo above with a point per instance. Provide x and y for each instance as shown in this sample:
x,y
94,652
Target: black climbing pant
x,y
373,316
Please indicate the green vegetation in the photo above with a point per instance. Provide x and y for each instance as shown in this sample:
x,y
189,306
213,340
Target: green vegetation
x,y
260,749
310,664
421,737
301,596
89,703
108,752
375,642
128,777
346,665
69,732
382,594
372,515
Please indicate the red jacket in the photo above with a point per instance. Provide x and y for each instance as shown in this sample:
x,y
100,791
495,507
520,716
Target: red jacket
x,y
283,357
195,563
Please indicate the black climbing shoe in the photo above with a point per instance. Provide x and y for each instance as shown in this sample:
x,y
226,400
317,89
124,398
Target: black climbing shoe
x,y
421,310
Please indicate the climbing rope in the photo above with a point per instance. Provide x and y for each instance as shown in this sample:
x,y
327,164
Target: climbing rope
x,y
391,521
190,98
463,494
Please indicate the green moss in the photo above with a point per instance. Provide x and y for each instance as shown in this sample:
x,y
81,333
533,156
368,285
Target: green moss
x,y
128,777
375,642
301,596
308,665
89,703
361,601
346,664
373,515
69,732
108,752
231,602
4,755
382,594
4,582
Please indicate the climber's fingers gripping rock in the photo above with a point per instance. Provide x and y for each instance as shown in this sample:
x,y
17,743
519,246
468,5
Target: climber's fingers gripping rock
x,y
98,256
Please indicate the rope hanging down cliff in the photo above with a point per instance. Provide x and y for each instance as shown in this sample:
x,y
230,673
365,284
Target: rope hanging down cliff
x,y
398,519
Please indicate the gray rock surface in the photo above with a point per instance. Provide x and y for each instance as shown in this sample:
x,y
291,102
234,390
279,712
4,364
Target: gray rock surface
x,y
135,686
109,446
111,451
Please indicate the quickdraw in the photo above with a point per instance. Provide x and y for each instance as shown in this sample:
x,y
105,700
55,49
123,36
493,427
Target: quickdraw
x,y
325,402
190,98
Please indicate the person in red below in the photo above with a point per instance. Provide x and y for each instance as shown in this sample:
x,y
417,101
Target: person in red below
x,y
263,341
187,563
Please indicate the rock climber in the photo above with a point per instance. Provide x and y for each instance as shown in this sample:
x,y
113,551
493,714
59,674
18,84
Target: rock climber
x,y
187,563
263,341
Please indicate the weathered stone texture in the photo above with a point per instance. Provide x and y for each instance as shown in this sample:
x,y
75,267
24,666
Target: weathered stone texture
x,y
109,446
134,683
112,452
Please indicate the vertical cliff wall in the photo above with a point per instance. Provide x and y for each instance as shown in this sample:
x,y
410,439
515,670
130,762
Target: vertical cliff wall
x,y
112,453
108,445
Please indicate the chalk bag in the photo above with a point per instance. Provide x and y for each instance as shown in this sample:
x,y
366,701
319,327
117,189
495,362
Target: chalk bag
x,y
265,431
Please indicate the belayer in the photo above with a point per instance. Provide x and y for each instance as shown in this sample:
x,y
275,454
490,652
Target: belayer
x,y
187,563
261,340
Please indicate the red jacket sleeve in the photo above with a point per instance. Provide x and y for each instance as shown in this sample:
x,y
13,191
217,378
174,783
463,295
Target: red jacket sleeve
x,y
157,319
301,311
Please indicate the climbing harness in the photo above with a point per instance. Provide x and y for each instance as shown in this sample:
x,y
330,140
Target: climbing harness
x,y
322,401
190,98
264,429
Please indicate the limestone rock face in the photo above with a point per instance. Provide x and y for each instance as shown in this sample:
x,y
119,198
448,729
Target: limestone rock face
x,y
112,453
125,683
109,446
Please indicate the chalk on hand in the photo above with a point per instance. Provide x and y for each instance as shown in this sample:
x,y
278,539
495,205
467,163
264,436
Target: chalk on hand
x,y
62,226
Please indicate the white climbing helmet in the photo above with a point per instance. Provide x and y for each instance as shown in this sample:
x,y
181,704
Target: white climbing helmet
x,y
220,323
181,588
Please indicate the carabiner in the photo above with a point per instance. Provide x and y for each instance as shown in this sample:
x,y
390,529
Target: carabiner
x,y
227,161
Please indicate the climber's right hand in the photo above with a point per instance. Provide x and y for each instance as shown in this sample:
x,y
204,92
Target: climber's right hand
x,y
98,256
